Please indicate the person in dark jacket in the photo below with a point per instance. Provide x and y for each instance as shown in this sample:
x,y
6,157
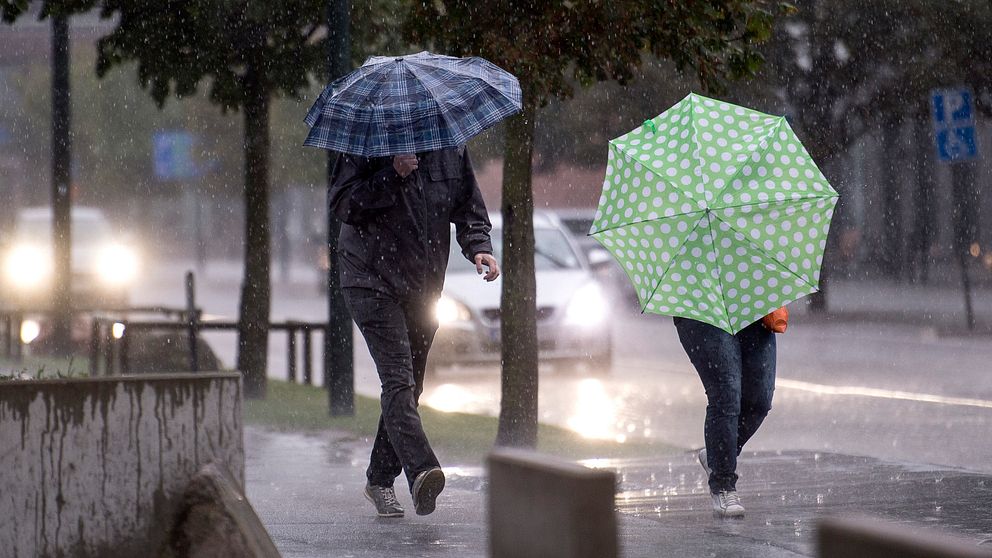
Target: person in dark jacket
x,y
393,252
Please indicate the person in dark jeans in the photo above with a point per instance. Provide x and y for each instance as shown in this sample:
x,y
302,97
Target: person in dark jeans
x,y
393,252
738,374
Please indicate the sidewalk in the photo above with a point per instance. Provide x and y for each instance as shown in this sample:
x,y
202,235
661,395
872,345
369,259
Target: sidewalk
x,y
938,308
307,489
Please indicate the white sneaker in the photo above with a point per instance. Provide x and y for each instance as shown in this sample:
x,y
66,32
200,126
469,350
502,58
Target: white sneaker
x,y
727,504
701,456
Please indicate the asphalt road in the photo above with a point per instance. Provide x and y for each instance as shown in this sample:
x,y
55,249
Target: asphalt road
x,y
895,391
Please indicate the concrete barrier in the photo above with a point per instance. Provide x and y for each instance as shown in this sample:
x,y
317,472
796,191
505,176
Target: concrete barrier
x,y
97,467
543,507
863,537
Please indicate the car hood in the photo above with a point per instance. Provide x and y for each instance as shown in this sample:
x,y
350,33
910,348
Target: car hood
x,y
554,288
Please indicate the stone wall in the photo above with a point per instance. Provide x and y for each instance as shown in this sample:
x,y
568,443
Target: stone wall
x,y
96,467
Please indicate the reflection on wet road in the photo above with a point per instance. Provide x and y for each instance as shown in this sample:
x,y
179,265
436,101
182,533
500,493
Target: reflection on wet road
x,y
887,393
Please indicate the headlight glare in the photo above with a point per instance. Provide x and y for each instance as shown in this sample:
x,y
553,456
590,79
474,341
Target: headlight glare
x,y
117,265
26,266
449,311
588,306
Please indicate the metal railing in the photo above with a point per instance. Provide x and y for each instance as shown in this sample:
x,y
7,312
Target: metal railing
x,y
110,351
110,354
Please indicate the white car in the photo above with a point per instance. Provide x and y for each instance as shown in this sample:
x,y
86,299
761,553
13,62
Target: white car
x,y
103,266
573,318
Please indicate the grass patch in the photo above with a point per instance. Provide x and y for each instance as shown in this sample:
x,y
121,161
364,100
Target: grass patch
x,y
44,368
293,407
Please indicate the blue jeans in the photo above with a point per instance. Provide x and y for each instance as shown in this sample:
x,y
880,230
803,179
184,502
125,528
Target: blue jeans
x,y
738,373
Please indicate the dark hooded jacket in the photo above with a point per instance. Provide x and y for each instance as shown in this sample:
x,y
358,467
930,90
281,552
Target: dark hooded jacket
x,y
395,235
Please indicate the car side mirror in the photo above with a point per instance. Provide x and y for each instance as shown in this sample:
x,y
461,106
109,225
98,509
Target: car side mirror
x,y
599,258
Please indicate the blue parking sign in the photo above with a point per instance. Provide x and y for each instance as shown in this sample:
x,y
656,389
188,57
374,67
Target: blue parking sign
x,y
953,116
173,155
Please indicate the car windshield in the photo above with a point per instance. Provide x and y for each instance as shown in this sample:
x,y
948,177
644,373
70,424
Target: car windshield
x,y
551,251
86,229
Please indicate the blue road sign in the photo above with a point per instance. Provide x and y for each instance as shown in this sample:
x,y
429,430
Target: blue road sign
x,y
954,124
173,155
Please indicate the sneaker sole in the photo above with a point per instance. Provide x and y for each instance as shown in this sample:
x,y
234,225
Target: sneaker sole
x,y
728,515
427,492
372,501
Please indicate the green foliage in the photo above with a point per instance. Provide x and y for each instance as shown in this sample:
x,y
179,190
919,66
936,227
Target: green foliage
x,y
842,68
546,43
178,44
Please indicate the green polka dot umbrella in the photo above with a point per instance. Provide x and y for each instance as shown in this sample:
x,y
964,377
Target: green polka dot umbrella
x,y
716,212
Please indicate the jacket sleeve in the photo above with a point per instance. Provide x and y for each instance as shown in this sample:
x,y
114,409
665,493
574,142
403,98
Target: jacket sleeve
x,y
471,219
359,191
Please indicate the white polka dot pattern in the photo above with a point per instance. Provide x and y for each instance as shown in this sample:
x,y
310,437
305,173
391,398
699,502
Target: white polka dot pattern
x,y
716,212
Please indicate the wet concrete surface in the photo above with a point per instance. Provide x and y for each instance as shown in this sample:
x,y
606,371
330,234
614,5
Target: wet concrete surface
x,y
307,490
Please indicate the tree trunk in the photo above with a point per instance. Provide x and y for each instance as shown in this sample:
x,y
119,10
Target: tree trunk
x,y
253,324
518,405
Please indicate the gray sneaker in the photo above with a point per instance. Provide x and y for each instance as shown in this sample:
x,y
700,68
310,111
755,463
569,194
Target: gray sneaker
x,y
727,504
384,500
426,487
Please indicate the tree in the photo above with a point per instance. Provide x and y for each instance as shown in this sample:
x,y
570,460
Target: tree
x,y
248,53
844,69
546,44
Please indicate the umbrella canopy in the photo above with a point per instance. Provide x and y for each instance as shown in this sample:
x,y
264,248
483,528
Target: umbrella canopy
x,y
716,212
409,104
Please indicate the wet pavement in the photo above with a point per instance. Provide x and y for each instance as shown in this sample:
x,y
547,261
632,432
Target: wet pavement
x,y
307,490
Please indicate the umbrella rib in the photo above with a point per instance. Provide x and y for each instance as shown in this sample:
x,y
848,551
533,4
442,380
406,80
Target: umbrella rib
x,y
777,203
443,113
672,185
657,285
761,251
478,77
741,168
369,126
719,273
631,224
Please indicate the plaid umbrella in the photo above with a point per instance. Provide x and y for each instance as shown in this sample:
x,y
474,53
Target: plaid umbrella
x,y
716,212
409,104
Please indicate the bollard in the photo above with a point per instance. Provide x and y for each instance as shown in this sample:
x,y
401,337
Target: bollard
x,y
861,537
307,357
291,355
544,507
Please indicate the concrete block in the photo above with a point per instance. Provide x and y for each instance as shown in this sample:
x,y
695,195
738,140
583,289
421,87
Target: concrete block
x,y
98,466
215,520
863,537
544,507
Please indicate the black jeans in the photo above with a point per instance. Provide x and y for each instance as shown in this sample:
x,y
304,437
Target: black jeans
x,y
399,334
738,373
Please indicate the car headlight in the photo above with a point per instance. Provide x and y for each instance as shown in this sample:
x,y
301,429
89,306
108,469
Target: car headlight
x,y
588,306
27,266
449,311
117,265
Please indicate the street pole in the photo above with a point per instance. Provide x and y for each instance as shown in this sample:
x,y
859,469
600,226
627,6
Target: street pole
x,y
61,183
965,220
339,359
